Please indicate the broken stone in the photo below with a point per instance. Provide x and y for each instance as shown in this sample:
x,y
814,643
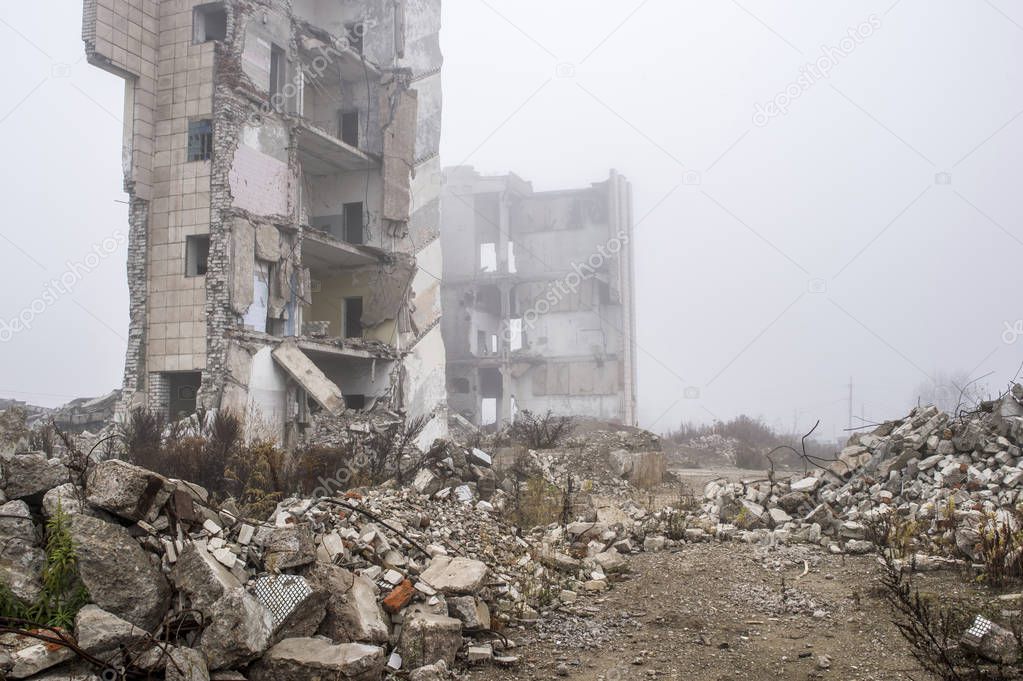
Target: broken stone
x,y
21,566
654,544
610,561
30,656
426,639
186,664
805,485
239,631
201,578
67,496
438,671
289,547
118,574
16,523
352,611
99,631
303,659
471,611
126,490
455,576
29,476
778,516
427,483
991,641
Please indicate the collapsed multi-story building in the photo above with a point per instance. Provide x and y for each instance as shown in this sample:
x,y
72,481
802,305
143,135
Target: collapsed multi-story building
x,y
539,304
281,159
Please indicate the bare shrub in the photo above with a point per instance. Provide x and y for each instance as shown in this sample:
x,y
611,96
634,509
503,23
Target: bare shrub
x,y
255,477
890,531
142,434
43,439
1001,551
541,432
933,626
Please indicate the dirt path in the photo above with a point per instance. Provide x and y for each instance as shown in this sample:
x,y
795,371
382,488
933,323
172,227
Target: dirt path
x,y
716,612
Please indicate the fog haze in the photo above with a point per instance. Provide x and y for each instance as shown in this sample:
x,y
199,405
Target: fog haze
x,y
871,233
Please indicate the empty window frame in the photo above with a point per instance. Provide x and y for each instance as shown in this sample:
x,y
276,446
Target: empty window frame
x,y
349,128
209,22
200,140
515,334
278,73
512,267
184,388
459,386
197,254
356,402
354,219
353,317
488,257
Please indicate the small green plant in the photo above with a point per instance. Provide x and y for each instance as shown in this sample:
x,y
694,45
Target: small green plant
x,y
63,593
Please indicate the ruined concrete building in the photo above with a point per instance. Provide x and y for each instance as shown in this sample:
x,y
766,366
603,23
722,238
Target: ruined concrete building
x,y
281,161
538,298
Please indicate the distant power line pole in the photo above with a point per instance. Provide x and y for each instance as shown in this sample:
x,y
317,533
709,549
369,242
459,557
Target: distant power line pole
x,y
850,403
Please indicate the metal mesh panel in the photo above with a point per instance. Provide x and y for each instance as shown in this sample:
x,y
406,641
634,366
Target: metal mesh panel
x,y
281,594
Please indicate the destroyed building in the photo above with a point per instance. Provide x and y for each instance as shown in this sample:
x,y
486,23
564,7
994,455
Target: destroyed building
x,y
281,161
539,299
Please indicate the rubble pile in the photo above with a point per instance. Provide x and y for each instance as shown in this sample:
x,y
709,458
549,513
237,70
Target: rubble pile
x,y
389,579
946,476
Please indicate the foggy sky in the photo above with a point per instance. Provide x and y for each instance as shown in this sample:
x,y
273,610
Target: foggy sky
x,y
776,259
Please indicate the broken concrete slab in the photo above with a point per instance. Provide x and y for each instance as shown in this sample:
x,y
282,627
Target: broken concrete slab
x,y
325,392
438,671
352,611
610,561
201,577
455,576
428,638
127,490
302,659
239,631
290,547
186,664
99,632
471,611
30,475
29,656
67,496
118,573
16,523
991,641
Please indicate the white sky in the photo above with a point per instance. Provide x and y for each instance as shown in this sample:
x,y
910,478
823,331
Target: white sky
x,y
813,249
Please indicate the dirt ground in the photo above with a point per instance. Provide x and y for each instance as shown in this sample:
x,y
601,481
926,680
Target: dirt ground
x,y
717,612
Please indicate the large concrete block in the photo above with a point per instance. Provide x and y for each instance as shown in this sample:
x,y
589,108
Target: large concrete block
x,y
202,578
428,638
308,659
118,574
455,576
126,490
239,631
